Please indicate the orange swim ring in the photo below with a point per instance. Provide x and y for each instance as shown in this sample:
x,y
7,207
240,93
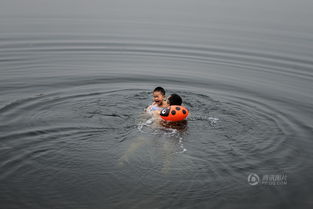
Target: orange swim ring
x,y
174,113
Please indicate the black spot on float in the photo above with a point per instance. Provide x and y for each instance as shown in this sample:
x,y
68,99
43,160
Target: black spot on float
x,y
173,112
177,108
184,111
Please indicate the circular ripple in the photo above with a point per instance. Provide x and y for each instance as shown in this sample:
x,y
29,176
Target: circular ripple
x,y
90,136
80,126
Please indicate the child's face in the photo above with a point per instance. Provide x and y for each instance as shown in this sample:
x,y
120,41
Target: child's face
x,y
158,97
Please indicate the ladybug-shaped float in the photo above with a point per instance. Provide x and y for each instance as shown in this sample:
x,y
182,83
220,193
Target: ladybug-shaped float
x,y
174,113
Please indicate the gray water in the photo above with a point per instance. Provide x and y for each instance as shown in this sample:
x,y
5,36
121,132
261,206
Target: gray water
x,y
75,77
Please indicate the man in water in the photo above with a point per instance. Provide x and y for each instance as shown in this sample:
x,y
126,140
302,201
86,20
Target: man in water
x,y
174,99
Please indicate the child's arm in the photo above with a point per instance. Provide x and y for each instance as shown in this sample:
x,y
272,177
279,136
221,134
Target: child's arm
x,y
148,108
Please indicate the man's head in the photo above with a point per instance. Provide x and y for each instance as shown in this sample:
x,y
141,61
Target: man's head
x,y
158,95
174,99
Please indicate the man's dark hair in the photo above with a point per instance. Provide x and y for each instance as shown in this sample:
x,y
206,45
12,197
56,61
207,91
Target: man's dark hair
x,y
175,99
159,89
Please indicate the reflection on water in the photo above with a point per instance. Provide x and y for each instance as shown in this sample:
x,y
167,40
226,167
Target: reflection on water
x,y
75,77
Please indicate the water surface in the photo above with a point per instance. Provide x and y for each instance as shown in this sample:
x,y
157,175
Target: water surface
x,y
75,77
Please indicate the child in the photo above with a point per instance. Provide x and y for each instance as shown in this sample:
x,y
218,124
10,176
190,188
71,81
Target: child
x,y
174,99
158,100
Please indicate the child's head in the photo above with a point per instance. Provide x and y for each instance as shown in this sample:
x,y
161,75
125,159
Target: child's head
x,y
158,95
174,99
